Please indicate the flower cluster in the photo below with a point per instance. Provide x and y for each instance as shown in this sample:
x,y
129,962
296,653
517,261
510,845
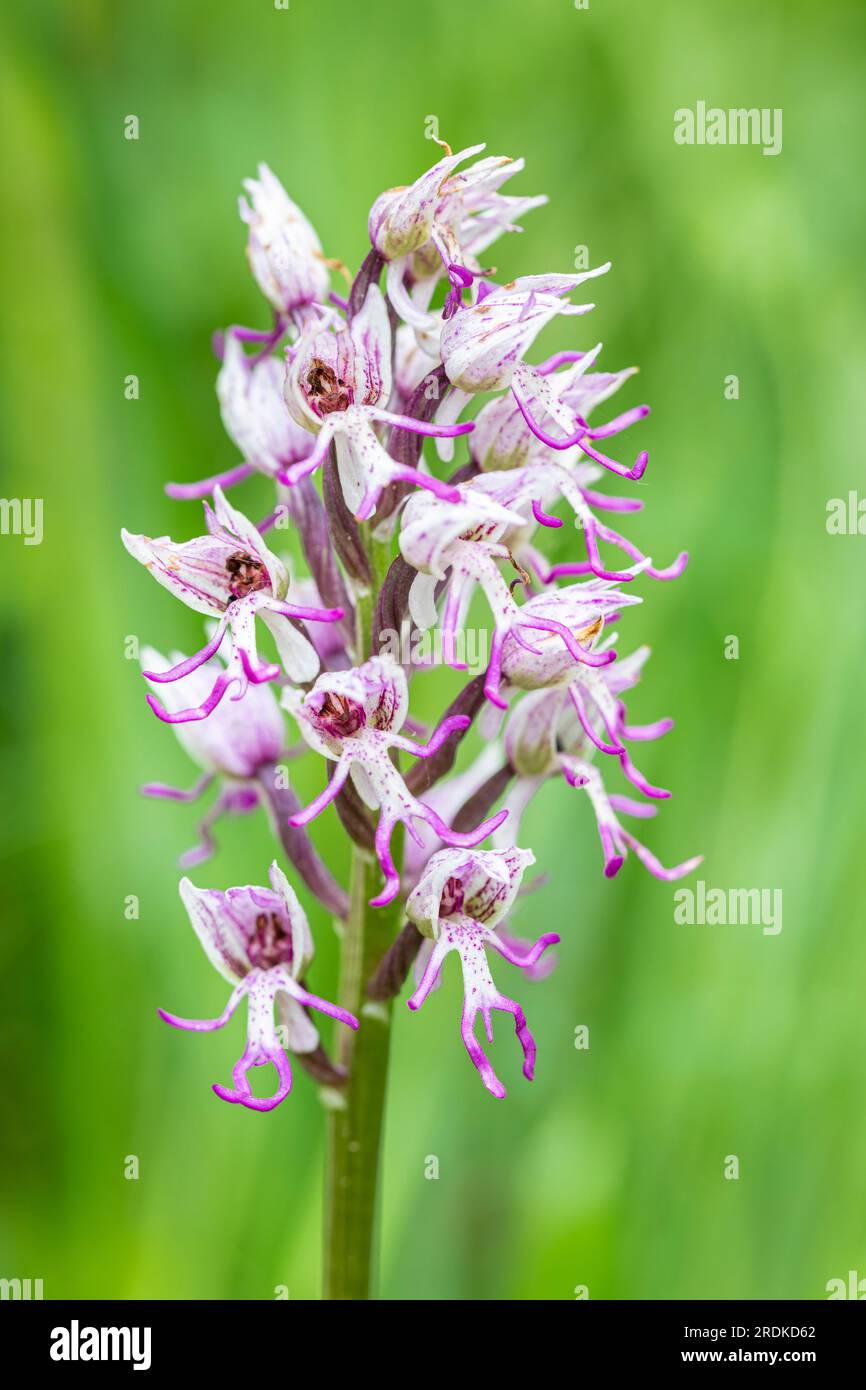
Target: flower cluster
x,y
331,405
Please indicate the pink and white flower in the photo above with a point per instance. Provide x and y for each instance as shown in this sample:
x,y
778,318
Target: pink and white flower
x,y
457,903
402,219
284,252
338,386
259,940
441,225
353,718
532,488
230,575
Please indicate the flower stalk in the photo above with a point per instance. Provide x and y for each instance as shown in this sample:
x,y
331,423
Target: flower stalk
x,y
356,1121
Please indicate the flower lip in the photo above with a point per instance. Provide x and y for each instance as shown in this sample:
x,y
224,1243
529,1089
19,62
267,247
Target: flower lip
x,y
326,392
453,895
270,943
336,715
248,575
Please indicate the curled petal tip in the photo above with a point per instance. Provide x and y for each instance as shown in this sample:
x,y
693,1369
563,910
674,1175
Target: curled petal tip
x,y
674,570
388,893
158,708
231,1096
495,698
248,1100
639,467
690,865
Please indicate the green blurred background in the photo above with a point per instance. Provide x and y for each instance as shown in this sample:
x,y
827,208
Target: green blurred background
x,y
121,257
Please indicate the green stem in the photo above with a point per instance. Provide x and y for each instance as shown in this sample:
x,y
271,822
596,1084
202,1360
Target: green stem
x,y
355,1129
355,1123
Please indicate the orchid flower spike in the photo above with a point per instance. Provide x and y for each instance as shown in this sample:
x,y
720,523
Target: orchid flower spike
x,y
240,737
284,252
353,386
457,903
353,718
229,574
338,386
259,940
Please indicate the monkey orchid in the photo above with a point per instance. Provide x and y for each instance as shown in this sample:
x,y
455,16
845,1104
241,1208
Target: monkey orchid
x,y
230,575
284,253
458,903
441,224
259,940
353,718
402,219
570,623
338,386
